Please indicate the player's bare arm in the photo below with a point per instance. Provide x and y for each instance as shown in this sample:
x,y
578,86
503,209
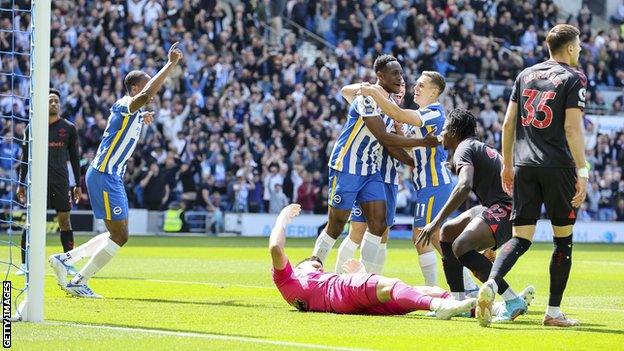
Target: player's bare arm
x,y
154,84
277,240
459,195
401,155
391,109
378,128
576,142
509,136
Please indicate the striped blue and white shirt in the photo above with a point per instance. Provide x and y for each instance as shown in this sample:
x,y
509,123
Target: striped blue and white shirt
x,y
389,165
430,163
357,151
121,135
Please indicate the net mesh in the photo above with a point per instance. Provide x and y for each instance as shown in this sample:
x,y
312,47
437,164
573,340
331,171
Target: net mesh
x,y
15,93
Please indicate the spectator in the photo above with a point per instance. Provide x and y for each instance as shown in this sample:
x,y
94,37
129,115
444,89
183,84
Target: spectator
x,y
278,199
307,194
155,188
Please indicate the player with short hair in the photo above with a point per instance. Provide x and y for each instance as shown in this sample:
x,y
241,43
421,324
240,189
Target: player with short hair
x,y
105,178
354,173
482,227
390,173
62,147
432,178
308,288
544,163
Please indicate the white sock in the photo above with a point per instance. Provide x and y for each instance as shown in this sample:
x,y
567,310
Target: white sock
x,y
429,267
85,250
493,284
459,296
371,245
345,252
97,262
323,244
469,283
435,303
380,260
553,311
508,294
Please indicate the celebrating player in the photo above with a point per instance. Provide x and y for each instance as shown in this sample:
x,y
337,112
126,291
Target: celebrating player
x,y
545,114
431,177
354,168
482,227
105,178
308,288
62,147
390,172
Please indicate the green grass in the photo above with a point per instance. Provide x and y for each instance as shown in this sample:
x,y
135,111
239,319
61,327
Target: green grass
x,y
220,291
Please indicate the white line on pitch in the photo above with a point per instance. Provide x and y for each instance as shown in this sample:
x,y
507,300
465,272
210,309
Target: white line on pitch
x,y
209,336
587,308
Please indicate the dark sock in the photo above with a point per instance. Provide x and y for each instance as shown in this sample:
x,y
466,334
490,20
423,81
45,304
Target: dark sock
x,y
480,267
507,257
23,246
67,240
453,270
560,264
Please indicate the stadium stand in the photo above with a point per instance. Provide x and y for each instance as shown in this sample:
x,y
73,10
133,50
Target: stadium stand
x,y
248,121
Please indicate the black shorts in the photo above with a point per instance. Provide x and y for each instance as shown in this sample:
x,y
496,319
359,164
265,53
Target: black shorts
x,y
497,218
59,198
553,187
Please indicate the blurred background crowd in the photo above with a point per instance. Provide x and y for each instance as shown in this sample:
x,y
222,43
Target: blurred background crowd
x,y
246,123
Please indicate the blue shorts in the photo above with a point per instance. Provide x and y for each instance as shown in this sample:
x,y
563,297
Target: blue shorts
x,y
429,202
345,189
391,194
107,195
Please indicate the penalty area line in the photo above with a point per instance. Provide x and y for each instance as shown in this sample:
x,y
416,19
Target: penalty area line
x,y
208,336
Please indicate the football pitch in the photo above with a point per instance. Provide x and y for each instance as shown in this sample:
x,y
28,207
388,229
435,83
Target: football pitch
x,y
192,293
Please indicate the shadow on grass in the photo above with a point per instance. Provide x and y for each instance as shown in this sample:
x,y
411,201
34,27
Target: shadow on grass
x,y
228,303
130,327
532,325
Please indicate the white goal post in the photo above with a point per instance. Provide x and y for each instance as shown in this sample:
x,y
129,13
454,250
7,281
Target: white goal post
x,y
31,309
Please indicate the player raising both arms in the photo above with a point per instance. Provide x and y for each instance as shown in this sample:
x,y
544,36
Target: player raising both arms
x,y
62,147
482,227
544,163
354,173
390,173
105,178
308,288
431,176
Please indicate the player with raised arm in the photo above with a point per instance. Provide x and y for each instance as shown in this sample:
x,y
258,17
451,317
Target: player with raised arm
x,y
354,173
105,178
432,178
482,227
391,159
543,163
62,147
308,288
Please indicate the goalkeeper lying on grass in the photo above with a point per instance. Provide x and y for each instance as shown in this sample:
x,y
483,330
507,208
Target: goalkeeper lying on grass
x,y
308,288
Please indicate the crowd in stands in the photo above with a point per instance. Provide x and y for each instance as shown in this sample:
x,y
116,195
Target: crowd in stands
x,y
246,122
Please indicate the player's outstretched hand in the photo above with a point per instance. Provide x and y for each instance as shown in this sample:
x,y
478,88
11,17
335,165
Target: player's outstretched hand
x,y
288,213
432,140
507,178
175,54
581,192
353,266
424,238
77,193
148,118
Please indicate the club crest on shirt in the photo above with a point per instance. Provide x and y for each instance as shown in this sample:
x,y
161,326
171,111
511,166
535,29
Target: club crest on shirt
x,y
491,152
337,199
